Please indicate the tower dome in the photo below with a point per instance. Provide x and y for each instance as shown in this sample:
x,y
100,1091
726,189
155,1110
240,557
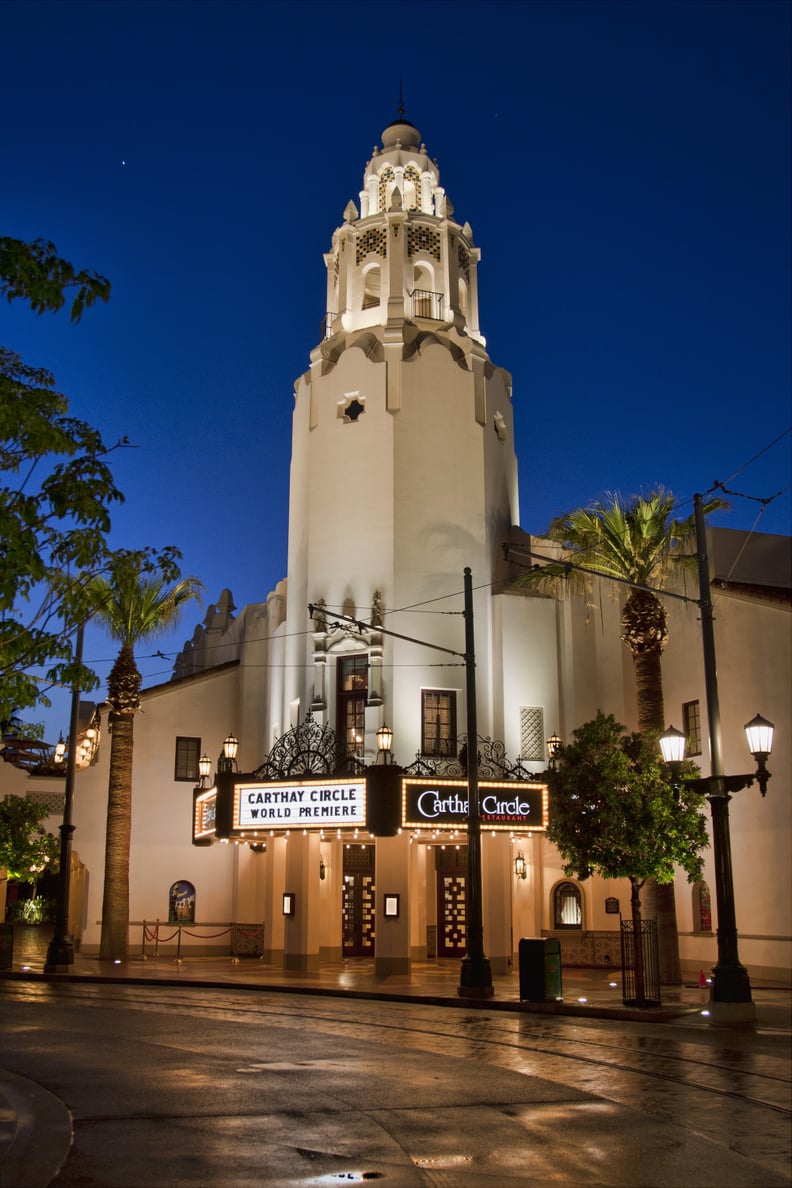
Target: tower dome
x,y
401,132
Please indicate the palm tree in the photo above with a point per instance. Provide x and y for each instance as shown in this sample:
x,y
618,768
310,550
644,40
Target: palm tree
x,y
134,606
641,544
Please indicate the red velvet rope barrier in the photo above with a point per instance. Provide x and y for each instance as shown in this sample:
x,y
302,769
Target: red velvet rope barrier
x,y
206,935
153,934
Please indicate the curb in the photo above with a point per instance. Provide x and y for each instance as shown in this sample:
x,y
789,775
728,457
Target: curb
x,y
657,1014
35,1133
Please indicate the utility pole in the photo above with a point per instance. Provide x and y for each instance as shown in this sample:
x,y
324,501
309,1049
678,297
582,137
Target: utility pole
x,y
60,953
475,980
730,980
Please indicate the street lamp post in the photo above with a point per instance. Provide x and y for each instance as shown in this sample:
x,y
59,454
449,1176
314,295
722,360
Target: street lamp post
x,y
730,981
731,986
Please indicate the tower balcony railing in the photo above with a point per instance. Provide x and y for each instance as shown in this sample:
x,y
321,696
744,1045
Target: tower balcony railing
x,y
424,304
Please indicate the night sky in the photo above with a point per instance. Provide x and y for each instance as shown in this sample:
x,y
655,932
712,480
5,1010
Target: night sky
x,y
625,169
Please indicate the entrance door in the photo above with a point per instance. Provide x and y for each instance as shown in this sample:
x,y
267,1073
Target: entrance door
x,y
358,902
451,867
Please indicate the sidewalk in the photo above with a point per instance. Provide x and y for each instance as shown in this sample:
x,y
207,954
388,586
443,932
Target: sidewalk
x,y
593,993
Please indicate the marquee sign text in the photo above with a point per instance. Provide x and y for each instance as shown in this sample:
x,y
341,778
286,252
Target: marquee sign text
x,y
443,804
335,803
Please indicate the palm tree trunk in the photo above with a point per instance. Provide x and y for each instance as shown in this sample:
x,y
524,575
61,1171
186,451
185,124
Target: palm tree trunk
x,y
651,717
649,691
123,689
115,901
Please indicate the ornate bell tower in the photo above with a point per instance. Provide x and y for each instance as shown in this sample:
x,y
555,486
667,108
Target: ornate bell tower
x,y
403,467
403,256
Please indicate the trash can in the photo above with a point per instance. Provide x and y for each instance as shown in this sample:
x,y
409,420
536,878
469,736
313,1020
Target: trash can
x,y
6,947
540,969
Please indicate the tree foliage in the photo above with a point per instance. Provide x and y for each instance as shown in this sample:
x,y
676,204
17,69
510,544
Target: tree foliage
x,y
56,491
638,542
26,848
34,272
613,812
56,488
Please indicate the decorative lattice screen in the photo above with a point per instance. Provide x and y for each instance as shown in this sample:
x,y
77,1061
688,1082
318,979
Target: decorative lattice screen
x,y
51,801
532,733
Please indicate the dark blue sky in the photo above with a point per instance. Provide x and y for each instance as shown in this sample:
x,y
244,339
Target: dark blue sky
x,y
624,166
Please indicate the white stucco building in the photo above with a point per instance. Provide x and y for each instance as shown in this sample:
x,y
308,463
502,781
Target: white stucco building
x,y
403,475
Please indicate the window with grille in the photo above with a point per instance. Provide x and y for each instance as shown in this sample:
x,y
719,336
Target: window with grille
x,y
351,697
438,722
188,752
691,725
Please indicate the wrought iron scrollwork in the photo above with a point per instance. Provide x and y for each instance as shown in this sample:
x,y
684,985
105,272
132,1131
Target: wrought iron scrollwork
x,y
493,762
309,749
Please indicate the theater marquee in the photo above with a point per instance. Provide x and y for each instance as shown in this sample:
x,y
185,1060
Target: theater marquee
x,y
205,816
334,804
443,804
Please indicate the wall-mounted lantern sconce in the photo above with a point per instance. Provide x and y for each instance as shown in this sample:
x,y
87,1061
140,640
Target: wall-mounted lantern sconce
x,y
204,768
385,744
520,869
322,868
553,746
60,750
227,760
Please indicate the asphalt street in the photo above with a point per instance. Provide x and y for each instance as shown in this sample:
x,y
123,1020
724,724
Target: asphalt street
x,y
113,1084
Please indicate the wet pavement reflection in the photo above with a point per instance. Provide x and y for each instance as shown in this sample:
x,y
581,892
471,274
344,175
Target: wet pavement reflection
x,y
238,1087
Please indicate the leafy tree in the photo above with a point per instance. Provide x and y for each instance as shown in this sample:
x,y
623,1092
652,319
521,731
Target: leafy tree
x,y
26,849
34,272
639,543
55,491
134,605
13,727
55,487
612,813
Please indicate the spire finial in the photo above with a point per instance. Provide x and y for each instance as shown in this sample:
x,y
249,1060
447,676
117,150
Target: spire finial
x,y
400,108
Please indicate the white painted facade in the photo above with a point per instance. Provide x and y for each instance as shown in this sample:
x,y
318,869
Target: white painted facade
x,y
403,474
